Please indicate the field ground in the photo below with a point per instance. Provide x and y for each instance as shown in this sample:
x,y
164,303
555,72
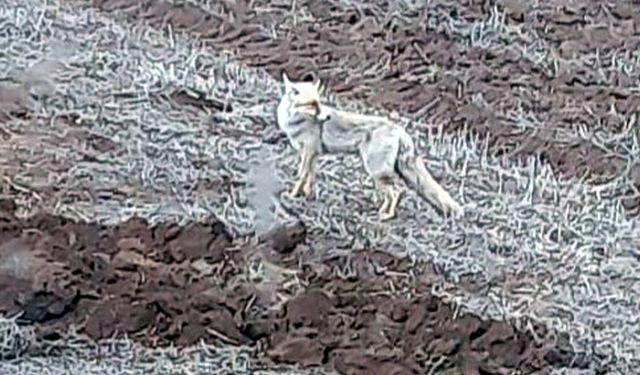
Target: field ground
x,y
142,179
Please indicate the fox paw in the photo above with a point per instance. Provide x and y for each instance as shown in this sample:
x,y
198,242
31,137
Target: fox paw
x,y
454,212
295,190
294,193
386,216
307,190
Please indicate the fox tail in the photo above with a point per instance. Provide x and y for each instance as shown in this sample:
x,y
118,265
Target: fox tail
x,y
413,171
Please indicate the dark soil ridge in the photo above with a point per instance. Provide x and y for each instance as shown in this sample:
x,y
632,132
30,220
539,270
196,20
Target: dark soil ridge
x,y
344,43
168,284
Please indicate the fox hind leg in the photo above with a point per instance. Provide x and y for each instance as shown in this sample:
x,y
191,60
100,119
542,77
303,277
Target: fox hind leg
x,y
379,153
380,196
385,203
391,193
395,195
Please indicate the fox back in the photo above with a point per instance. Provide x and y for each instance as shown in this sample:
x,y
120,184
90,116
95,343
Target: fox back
x,y
344,131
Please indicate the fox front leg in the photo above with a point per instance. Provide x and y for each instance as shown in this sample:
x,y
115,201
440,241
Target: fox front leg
x,y
305,174
309,179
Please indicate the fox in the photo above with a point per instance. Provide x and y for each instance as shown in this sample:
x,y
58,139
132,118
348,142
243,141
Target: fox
x,y
387,151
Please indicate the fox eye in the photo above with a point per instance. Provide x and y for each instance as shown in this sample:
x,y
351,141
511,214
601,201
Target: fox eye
x,y
295,91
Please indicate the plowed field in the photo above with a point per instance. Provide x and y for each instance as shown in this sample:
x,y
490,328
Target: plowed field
x,y
143,183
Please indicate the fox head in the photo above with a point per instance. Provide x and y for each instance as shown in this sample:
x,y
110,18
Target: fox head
x,y
305,97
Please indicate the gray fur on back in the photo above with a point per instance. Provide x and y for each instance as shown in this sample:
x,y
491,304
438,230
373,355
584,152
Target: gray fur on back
x,y
346,132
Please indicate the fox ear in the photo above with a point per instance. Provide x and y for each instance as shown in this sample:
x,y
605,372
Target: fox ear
x,y
319,86
287,82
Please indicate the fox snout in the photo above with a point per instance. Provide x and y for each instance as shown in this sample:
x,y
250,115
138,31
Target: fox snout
x,y
322,114
314,108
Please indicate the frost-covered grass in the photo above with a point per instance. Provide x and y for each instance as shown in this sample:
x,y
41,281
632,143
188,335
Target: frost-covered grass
x,y
123,357
14,341
559,251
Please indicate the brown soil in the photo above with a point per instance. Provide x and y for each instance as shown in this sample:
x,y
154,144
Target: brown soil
x,y
367,312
